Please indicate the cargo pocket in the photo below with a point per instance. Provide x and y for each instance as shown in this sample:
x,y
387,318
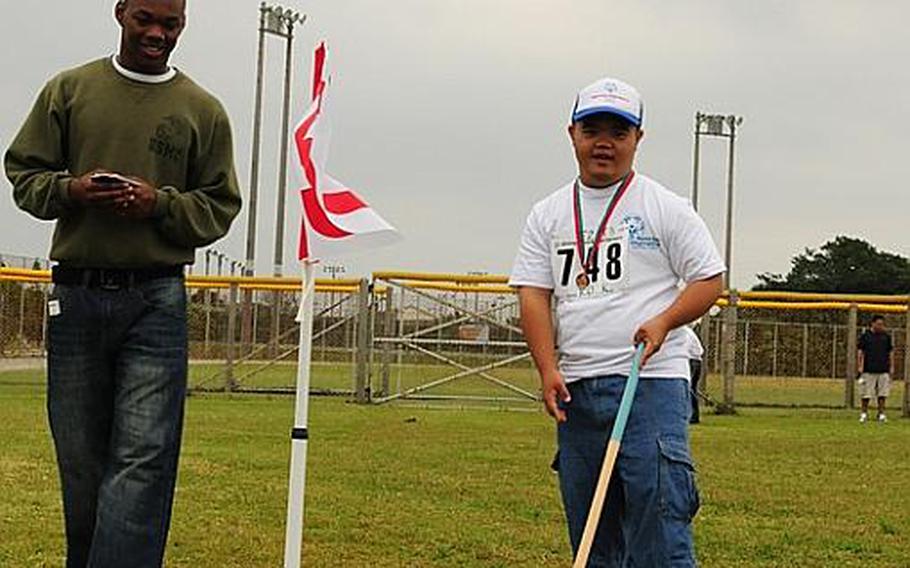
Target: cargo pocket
x,y
678,493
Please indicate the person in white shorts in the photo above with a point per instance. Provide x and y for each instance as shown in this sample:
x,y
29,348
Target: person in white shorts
x,y
610,249
874,359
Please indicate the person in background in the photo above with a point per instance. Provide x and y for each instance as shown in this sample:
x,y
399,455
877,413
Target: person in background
x,y
875,362
696,355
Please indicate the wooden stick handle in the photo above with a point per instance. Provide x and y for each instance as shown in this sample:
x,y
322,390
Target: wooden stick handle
x,y
597,505
606,470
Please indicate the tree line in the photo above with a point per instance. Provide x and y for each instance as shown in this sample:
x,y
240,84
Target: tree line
x,y
843,265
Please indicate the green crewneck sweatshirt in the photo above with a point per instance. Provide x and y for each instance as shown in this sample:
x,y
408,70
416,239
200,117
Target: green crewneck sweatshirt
x,y
173,134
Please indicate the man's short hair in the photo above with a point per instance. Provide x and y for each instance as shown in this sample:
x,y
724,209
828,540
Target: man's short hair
x,y
877,317
123,3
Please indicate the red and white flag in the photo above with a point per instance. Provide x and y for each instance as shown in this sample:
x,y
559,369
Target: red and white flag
x,y
335,219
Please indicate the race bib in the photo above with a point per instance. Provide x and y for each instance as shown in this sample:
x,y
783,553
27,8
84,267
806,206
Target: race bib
x,y
607,275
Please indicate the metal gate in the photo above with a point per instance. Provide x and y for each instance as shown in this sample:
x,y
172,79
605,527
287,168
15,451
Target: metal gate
x,y
447,337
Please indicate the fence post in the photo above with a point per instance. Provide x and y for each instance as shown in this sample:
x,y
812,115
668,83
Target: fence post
x,y
246,320
805,349
850,377
3,290
361,355
833,351
774,352
728,357
208,321
230,384
388,328
255,332
44,293
704,335
717,343
274,348
746,348
22,316
906,412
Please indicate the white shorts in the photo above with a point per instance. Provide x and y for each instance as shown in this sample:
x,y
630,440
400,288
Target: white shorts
x,y
874,385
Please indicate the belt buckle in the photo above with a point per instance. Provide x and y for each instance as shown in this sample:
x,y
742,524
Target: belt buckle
x,y
109,281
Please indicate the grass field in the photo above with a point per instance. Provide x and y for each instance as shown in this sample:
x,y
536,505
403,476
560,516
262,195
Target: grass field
x,y
407,486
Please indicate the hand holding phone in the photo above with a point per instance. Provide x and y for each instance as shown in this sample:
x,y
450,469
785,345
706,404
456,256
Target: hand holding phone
x,y
98,188
109,179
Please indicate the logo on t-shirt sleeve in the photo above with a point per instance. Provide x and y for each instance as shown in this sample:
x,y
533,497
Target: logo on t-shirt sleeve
x,y
639,235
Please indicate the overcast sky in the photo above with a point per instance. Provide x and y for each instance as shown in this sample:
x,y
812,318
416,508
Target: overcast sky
x,y
449,116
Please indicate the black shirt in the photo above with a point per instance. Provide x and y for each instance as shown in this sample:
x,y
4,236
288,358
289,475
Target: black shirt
x,y
876,348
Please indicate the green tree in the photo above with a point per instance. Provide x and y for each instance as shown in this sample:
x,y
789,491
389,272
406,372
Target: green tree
x,y
844,265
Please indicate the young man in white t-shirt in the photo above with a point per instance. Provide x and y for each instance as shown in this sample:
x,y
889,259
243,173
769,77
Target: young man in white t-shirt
x,y
612,247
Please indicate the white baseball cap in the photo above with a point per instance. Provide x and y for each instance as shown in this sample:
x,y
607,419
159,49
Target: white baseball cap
x,y
612,96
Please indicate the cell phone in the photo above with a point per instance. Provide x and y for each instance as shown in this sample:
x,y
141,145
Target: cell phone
x,y
110,178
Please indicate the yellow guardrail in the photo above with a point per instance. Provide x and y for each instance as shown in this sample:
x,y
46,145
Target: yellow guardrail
x,y
863,307
442,277
821,297
7,273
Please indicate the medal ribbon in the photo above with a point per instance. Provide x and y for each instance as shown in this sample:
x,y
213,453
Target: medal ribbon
x,y
604,221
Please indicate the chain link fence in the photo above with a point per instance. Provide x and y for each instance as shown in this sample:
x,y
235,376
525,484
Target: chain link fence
x,y
242,332
801,352
22,313
455,339
244,335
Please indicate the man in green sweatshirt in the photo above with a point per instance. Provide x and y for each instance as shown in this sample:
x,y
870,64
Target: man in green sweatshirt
x,y
134,162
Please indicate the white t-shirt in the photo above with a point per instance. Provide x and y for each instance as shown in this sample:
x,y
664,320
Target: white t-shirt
x,y
654,242
143,77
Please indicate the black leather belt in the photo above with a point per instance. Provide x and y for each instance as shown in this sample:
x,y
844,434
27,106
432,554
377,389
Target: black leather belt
x,y
111,278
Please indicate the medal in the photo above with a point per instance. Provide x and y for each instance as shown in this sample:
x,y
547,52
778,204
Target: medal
x,y
587,262
582,281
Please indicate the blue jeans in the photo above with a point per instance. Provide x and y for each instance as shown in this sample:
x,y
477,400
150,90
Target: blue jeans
x,y
652,497
117,367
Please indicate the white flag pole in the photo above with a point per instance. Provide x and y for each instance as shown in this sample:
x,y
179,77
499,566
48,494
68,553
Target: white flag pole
x,y
293,540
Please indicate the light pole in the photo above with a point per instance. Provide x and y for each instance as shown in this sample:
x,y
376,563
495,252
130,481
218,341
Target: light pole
x,y
257,142
277,21
281,22
246,312
289,19
722,126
